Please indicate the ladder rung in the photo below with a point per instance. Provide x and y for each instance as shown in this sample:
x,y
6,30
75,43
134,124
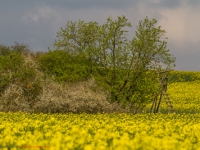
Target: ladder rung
x,y
169,103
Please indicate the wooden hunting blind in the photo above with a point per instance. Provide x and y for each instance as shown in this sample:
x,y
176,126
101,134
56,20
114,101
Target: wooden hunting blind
x,y
162,93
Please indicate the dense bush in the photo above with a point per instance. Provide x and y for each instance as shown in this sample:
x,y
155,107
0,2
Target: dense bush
x,y
17,72
10,65
64,67
26,85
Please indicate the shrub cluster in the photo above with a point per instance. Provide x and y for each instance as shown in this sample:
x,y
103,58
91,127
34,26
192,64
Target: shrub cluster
x,y
64,67
125,69
18,77
27,83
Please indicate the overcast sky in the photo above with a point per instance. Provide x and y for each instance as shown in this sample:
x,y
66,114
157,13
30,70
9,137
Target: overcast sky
x,y
36,22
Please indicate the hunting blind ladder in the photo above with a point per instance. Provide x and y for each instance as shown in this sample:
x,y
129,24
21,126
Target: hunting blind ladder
x,y
162,94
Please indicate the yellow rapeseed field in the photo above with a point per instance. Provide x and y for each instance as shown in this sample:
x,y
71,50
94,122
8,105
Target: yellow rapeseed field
x,y
185,96
99,131
108,131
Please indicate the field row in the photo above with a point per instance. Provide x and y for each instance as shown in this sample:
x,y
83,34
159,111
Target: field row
x,y
100,131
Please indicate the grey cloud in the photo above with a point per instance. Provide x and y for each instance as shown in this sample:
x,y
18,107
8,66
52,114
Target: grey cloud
x,y
36,22
96,3
170,3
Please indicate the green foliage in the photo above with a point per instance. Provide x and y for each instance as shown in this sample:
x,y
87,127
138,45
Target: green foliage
x,y
150,47
22,49
29,81
4,50
126,68
10,63
14,70
80,39
64,67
